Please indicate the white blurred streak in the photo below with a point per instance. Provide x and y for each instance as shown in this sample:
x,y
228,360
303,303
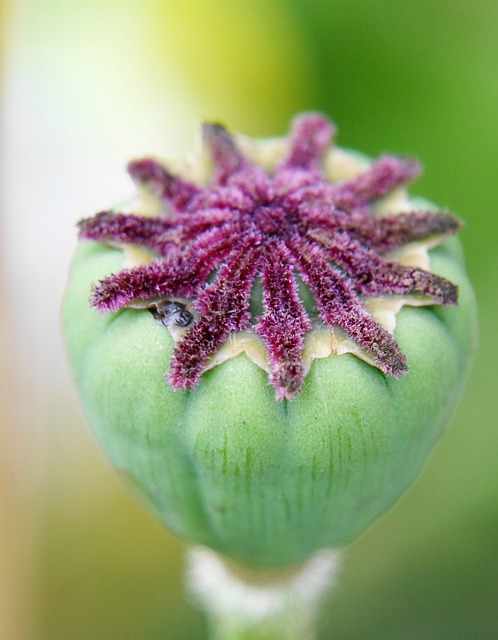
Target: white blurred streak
x,y
81,96
239,599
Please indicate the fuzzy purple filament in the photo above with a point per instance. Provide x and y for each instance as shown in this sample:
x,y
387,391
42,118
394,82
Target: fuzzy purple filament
x,y
248,224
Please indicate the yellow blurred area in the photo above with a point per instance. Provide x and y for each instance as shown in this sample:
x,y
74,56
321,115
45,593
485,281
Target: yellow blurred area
x,y
15,537
246,61
86,86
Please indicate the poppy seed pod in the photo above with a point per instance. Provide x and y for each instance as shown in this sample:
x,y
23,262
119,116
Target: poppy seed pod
x,y
276,336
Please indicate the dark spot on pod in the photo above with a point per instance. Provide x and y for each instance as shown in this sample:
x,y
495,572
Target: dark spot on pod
x,y
183,318
169,312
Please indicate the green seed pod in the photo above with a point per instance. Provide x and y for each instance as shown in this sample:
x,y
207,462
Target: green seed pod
x,y
269,458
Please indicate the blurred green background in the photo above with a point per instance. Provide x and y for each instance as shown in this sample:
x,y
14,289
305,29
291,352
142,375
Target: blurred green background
x,y
88,85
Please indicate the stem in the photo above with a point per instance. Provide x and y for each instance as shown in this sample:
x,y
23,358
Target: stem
x,y
259,604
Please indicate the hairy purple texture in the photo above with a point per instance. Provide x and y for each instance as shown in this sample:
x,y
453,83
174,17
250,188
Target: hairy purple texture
x,y
284,323
223,307
157,179
211,243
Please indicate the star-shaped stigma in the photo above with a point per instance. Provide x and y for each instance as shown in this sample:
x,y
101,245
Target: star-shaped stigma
x,y
211,242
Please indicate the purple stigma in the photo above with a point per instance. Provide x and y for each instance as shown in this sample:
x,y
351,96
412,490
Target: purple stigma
x,y
288,228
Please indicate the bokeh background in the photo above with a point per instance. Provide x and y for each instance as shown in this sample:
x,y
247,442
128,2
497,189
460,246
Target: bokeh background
x,y
87,85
